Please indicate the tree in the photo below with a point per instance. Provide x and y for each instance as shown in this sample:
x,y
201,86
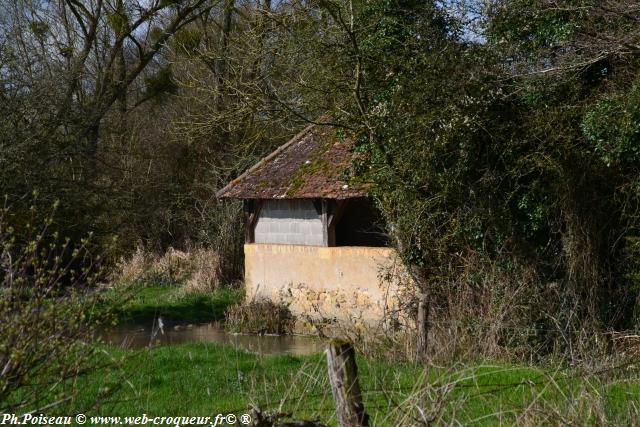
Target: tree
x,y
65,65
499,147
495,147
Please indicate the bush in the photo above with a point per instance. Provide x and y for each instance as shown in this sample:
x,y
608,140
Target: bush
x,y
45,330
498,309
260,317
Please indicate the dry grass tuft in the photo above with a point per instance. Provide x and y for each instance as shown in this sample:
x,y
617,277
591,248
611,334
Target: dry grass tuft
x,y
198,269
206,273
133,268
260,316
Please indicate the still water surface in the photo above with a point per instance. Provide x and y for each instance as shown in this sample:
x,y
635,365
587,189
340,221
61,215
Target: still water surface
x,y
140,336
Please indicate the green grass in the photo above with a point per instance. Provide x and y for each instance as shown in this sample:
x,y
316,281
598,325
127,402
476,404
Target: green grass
x,y
204,379
208,378
140,302
211,378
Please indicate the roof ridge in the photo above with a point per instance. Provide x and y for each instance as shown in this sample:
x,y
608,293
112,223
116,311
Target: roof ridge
x,y
264,160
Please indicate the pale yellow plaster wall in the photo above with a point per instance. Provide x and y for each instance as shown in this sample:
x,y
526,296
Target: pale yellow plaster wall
x,y
341,283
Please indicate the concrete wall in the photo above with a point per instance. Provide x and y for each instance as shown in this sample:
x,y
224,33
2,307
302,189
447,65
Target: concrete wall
x,y
331,283
293,222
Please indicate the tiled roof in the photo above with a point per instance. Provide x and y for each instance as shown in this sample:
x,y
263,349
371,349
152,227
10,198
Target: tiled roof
x,y
314,164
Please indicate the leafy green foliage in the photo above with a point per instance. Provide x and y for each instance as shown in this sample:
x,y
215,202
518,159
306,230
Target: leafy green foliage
x,y
169,3
160,83
188,40
39,29
45,327
612,125
531,26
119,22
472,150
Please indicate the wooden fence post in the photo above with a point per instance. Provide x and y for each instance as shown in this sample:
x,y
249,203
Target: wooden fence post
x,y
343,375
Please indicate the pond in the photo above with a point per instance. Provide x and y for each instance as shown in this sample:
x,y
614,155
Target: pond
x,y
133,336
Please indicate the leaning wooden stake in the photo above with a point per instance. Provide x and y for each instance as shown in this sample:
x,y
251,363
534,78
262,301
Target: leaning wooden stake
x,y
343,375
422,346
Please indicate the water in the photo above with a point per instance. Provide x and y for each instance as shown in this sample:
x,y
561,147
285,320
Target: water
x,y
140,336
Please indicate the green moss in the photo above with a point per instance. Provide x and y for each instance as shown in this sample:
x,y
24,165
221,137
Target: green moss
x,y
315,164
262,185
295,184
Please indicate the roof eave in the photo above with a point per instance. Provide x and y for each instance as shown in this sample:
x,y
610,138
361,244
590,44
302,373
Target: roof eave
x,y
305,197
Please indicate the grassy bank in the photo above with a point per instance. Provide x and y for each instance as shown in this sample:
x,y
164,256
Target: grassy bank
x,y
141,302
204,379
184,287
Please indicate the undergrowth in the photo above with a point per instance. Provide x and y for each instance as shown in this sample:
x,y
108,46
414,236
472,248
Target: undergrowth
x,y
260,316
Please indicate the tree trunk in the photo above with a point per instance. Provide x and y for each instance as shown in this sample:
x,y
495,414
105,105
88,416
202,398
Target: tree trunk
x,y
419,276
221,63
422,326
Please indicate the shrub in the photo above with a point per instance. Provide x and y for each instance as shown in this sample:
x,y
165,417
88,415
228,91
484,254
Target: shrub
x,y
45,331
261,316
497,309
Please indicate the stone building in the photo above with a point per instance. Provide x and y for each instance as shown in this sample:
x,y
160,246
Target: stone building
x,y
312,236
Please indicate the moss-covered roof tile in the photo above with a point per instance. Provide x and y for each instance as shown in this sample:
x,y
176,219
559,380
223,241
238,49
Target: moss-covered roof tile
x,y
311,165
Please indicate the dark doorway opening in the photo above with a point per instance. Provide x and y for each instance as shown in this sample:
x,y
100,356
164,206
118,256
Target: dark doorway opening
x,y
360,225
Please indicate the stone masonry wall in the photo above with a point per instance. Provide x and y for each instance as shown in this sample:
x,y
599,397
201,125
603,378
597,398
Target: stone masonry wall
x,y
324,284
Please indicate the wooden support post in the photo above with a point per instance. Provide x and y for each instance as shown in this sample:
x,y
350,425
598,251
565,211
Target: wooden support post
x,y
335,213
324,216
343,375
251,212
